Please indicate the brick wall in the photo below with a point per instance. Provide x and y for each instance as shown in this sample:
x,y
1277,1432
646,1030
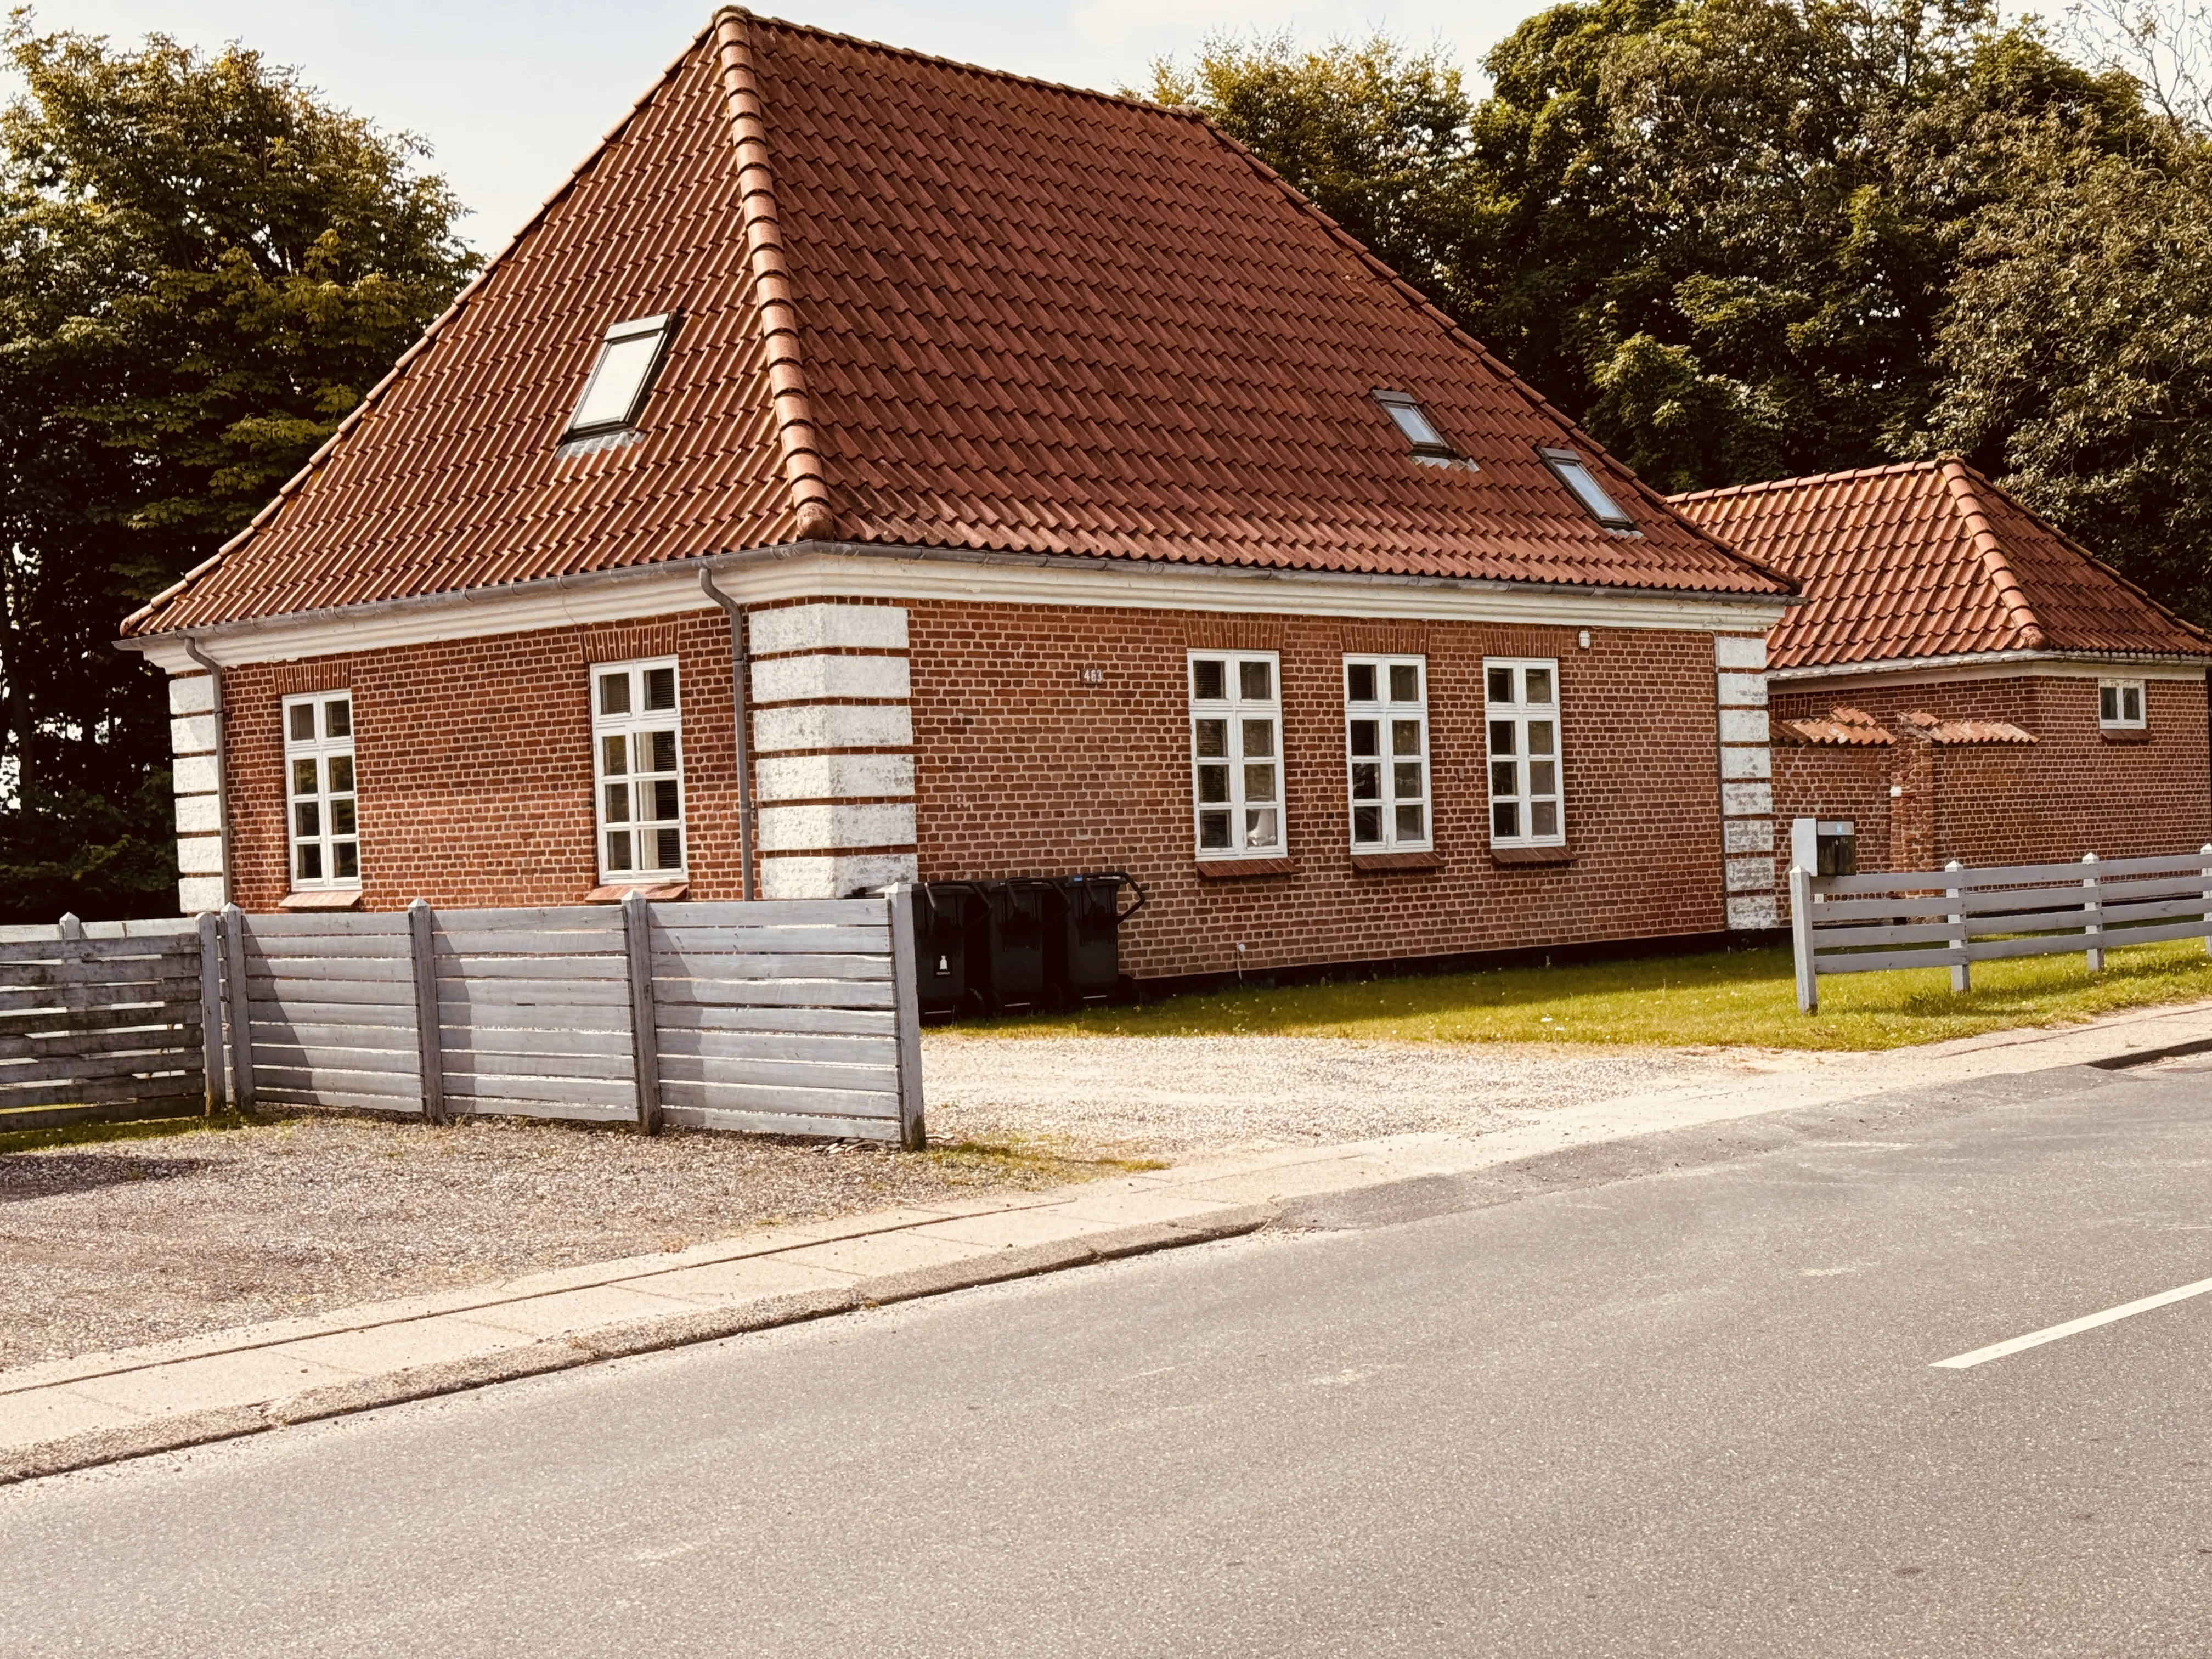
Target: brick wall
x,y
1044,742
1047,742
2074,791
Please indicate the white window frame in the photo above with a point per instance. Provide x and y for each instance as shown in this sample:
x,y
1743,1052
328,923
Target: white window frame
x,y
616,738
2113,694
321,793
1531,748
1233,776
1380,767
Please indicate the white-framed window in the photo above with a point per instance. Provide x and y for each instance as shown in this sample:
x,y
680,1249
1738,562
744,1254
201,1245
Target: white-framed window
x,y
320,801
1386,743
1522,710
2120,705
637,756
1236,753
622,376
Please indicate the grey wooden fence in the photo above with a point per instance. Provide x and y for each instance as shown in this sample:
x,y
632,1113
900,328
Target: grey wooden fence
x,y
103,1014
1955,916
795,1017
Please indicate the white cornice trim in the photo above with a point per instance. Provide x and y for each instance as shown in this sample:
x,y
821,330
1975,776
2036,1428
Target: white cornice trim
x,y
846,570
1997,664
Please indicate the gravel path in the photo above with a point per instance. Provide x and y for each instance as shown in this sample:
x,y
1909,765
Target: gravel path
x,y
124,1243
1184,1095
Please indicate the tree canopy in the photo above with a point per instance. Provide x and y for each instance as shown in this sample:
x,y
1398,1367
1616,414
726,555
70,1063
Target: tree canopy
x,y
202,267
1751,239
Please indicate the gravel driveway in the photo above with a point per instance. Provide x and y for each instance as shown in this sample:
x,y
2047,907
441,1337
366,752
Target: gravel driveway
x,y
124,1243
1184,1095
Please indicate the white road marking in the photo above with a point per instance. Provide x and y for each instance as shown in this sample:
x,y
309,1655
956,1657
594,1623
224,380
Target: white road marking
x,y
2074,1327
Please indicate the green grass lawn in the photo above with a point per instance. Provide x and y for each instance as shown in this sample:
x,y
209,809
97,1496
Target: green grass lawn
x,y
1730,998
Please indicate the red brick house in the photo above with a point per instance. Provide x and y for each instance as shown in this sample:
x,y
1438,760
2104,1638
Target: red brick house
x,y
1963,680
868,466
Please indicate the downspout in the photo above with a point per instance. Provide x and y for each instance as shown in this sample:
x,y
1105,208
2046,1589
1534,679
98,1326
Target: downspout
x,y
740,661
221,759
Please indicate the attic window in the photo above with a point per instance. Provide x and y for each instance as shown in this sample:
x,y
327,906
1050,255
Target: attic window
x,y
1405,414
616,393
1574,472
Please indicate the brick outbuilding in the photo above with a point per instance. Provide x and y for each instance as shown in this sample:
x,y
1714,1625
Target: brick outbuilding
x,y
1964,681
866,467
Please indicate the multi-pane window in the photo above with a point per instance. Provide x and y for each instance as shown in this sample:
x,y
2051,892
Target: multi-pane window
x,y
2120,705
1386,714
319,789
637,752
1522,714
1236,753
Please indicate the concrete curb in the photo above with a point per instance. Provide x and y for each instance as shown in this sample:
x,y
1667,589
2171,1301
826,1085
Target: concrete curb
x,y
183,1431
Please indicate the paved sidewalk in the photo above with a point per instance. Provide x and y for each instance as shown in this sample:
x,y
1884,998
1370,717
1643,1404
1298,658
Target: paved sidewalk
x,y
98,1408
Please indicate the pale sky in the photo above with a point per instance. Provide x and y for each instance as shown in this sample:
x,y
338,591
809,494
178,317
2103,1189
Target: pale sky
x,y
513,95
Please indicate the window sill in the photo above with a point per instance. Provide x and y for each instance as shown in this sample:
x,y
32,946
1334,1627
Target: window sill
x,y
614,892
1237,869
323,899
1377,862
1521,856
2123,734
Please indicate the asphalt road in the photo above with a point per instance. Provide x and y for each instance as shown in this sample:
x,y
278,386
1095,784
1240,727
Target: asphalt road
x,y
1677,1399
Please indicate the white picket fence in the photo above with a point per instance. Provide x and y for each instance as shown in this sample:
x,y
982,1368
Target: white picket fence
x,y
1955,916
795,1017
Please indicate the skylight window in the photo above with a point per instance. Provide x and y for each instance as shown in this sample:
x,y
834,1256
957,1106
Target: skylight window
x,y
1574,472
616,393
1418,428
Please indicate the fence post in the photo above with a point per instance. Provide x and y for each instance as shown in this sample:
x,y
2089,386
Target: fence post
x,y
906,1007
2205,853
2093,911
211,1009
645,1033
241,1028
1800,939
429,1048
1962,972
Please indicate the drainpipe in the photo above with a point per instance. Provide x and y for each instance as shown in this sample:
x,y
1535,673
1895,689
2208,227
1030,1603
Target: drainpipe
x,y
740,659
221,759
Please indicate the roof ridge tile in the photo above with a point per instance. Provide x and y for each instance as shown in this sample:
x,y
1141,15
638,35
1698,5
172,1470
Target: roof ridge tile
x,y
1995,561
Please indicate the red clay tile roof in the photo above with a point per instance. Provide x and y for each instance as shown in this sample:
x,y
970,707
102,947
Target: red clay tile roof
x,y
1930,559
925,304
1847,728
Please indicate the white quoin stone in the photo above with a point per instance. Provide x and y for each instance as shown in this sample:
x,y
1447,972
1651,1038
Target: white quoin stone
x,y
832,777
192,694
198,815
199,855
1746,763
1747,835
826,628
1748,800
814,679
194,734
198,894
1750,911
1743,690
820,828
1750,875
832,877
1744,725
838,725
194,775
1739,651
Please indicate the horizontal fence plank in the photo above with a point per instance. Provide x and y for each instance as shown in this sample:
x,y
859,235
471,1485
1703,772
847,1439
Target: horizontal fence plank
x,y
529,919
2158,910
779,1074
1913,932
506,1039
370,993
2029,898
779,1123
2036,922
363,970
475,1062
792,1102
676,1041
276,1051
453,969
34,990
873,939
547,994
330,924
350,1079
65,1066
1826,911
400,1039
302,1011
123,1016
770,913
716,1017
521,944
266,1095
99,1091
2014,875
1882,962
2073,944
773,992
46,1045
512,1106
701,965
380,947
545,1090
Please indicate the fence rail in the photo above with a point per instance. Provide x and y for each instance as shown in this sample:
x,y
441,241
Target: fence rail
x,y
1955,916
785,1018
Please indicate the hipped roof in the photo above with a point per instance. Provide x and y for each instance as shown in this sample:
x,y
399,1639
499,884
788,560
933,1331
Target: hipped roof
x,y
1931,559
929,304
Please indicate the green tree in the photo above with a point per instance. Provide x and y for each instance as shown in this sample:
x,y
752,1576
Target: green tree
x,y
202,267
